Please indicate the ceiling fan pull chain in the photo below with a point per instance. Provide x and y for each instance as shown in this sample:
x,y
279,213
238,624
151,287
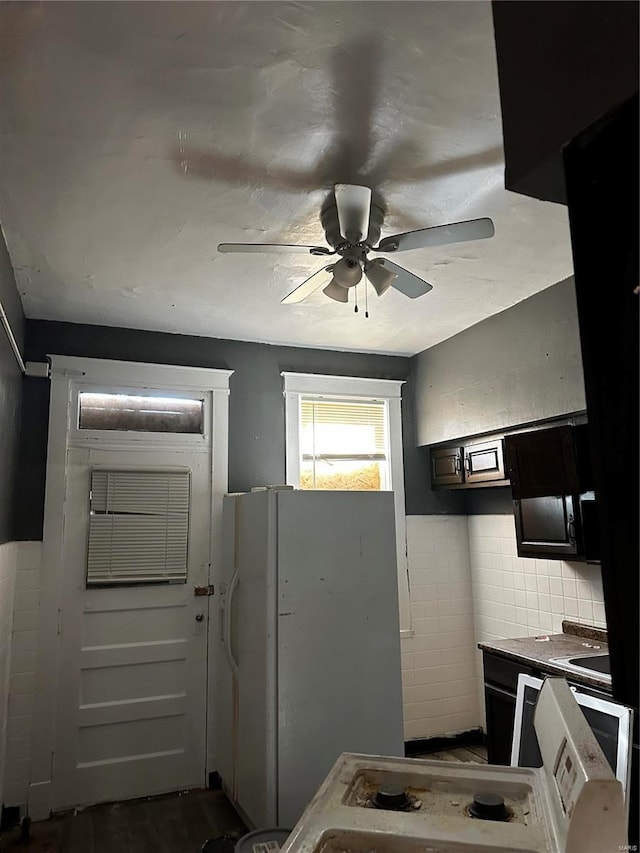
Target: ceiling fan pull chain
x,y
355,310
366,300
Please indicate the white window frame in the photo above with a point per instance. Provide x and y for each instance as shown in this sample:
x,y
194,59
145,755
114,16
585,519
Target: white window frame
x,y
297,385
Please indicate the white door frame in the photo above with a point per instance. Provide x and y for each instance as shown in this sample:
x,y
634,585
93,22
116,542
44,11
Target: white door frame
x,y
66,373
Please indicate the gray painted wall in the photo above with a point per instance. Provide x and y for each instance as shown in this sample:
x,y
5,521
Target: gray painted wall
x,y
10,393
517,367
256,404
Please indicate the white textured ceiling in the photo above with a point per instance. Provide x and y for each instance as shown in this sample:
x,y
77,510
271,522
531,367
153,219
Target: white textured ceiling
x,y
136,136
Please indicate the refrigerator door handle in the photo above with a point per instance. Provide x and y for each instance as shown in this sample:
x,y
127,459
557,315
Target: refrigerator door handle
x,y
227,624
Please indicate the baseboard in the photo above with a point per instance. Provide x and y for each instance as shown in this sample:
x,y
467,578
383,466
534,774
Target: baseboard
x,y
419,746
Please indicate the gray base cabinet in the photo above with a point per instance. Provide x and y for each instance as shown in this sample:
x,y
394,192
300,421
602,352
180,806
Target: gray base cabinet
x,y
500,687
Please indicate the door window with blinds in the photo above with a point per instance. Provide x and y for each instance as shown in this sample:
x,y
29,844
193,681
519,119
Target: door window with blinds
x,y
138,527
344,444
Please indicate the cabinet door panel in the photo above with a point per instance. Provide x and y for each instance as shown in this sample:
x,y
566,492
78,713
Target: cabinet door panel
x,y
484,462
542,462
547,526
502,672
446,466
501,710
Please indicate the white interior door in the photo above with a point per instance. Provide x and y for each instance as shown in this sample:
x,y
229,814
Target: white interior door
x,y
132,682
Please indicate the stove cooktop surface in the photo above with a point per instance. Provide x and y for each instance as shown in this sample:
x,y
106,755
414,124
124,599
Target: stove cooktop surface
x,y
377,803
436,793
380,804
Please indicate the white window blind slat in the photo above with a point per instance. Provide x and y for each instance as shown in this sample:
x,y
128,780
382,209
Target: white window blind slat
x,y
336,427
138,526
343,443
332,420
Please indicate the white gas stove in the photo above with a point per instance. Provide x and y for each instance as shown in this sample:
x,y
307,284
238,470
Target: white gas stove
x,y
377,804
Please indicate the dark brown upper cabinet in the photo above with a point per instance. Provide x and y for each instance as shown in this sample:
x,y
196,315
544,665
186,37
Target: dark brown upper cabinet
x,y
446,466
553,502
484,462
548,526
547,462
468,464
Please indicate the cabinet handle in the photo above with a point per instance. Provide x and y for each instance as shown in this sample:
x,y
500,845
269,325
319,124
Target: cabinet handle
x,y
571,530
457,465
233,663
467,466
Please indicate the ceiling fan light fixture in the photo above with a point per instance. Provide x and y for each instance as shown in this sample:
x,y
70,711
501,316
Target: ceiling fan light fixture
x,y
336,291
380,277
347,272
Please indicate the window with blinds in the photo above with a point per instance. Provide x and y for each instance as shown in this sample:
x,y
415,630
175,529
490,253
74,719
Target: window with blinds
x,y
138,527
343,444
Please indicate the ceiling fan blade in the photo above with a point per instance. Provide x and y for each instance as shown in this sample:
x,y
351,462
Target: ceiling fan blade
x,y
354,207
274,247
319,279
455,232
406,282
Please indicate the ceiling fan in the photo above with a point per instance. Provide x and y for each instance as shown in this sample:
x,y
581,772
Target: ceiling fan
x,y
352,225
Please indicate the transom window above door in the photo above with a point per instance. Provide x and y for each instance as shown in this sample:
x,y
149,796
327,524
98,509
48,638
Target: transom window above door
x,y
140,413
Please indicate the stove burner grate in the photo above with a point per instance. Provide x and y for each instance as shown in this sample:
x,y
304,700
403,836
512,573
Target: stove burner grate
x,y
489,806
394,798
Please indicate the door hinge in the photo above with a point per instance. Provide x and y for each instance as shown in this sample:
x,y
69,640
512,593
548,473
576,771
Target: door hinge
x,y
204,590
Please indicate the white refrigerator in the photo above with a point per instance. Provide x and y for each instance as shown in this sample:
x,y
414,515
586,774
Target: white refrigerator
x,y
308,663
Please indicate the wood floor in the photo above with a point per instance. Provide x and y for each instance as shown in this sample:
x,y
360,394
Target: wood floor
x,y
175,823
477,754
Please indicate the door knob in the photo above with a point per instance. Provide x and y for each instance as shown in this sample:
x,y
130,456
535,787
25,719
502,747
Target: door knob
x,y
199,617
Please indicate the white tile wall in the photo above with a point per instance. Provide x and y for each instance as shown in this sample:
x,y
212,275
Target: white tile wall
x,y
22,678
8,564
438,663
520,596
467,585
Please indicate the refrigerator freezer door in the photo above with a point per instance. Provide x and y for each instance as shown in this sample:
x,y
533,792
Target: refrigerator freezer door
x,y
339,670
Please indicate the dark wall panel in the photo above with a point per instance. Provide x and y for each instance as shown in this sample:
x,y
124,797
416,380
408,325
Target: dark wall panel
x,y
420,498
497,501
561,65
602,174
10,394
29,491
256,403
